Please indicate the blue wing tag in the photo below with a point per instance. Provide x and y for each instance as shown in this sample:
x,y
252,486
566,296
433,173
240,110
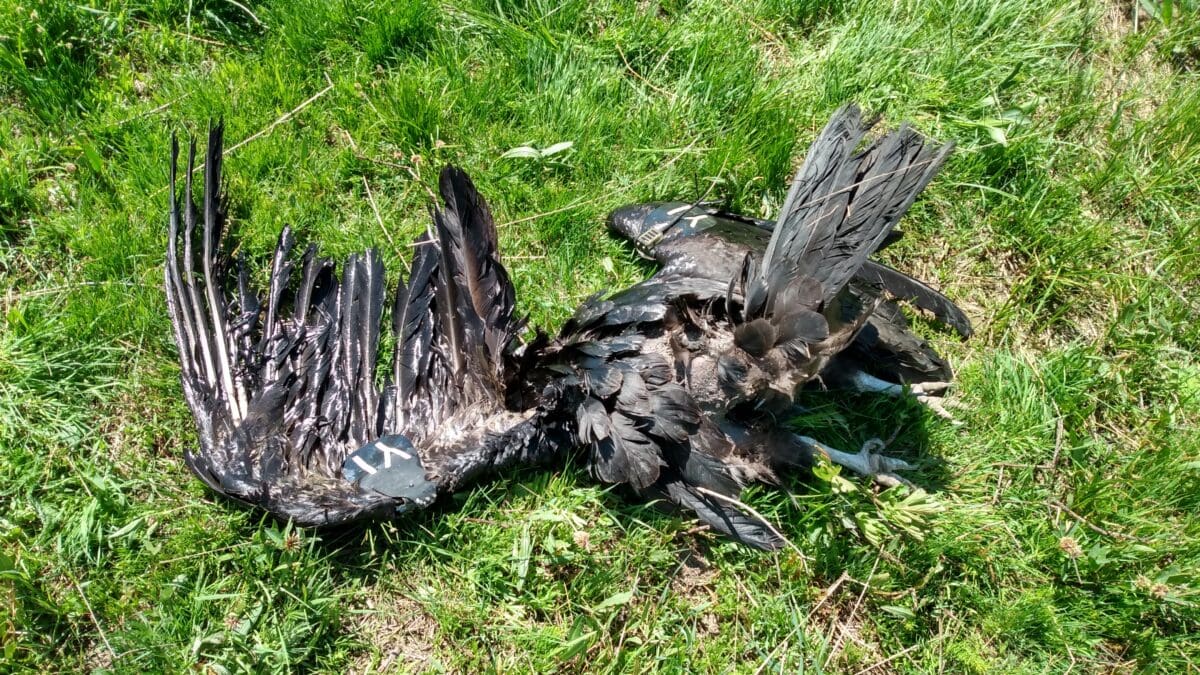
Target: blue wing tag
x,y
390,465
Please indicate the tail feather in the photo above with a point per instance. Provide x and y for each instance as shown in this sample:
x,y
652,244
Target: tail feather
x,y
796,312
842,207
815,204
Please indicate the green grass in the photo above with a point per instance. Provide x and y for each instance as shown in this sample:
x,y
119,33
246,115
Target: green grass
x,y
1066,223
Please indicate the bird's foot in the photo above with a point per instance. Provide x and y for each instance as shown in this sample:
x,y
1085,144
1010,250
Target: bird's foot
x,y
938,405
866,462
929,394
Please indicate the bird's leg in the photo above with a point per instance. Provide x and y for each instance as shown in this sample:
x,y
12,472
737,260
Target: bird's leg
x,y
928,394
865,382
866,462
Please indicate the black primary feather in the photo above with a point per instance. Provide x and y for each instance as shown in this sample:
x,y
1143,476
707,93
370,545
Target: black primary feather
x,y
239,376
723,516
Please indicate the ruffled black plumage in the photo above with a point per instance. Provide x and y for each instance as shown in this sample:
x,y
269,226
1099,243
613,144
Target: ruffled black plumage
x,y
740,323
665,383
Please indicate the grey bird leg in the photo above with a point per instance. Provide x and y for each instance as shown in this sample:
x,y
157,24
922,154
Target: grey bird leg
x,y
927,393
866,462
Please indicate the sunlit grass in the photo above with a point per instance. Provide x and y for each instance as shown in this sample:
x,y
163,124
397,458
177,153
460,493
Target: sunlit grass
x,y
1065,223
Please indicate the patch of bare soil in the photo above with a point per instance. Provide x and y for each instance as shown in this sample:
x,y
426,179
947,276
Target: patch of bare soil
x,y
694,585
1125,84
401,633
839,614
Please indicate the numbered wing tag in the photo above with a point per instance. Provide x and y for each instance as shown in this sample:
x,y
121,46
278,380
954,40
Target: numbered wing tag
x,y
390,465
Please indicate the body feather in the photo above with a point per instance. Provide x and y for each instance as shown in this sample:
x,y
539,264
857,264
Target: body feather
x,y
738,324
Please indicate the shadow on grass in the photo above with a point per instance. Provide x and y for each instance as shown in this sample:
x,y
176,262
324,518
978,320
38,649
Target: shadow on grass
x,y
851,421
846,420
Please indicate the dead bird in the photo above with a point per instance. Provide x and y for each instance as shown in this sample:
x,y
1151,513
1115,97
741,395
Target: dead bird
x,y
282,383
675,382
665,383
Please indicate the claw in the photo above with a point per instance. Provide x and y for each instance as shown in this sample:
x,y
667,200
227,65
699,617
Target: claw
x,y
938,407
928,394
866,462
930,388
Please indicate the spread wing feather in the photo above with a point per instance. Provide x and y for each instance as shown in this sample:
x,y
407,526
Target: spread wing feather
x,y
273,424
455,318
282,384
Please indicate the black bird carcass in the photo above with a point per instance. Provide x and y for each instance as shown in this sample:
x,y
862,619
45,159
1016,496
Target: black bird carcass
x,y
680,384
673,386
282,384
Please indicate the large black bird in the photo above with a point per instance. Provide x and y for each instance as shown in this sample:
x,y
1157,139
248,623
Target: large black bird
x,y
673,385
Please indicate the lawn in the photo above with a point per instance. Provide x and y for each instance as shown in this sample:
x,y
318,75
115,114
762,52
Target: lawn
x,y
1058,529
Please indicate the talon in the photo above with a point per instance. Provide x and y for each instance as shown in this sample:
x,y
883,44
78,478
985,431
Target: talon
x,y
866,462
938,407
888,480
930,388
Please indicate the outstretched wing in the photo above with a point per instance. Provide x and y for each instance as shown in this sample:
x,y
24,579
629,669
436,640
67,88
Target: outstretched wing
x,y
281,387
282,384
